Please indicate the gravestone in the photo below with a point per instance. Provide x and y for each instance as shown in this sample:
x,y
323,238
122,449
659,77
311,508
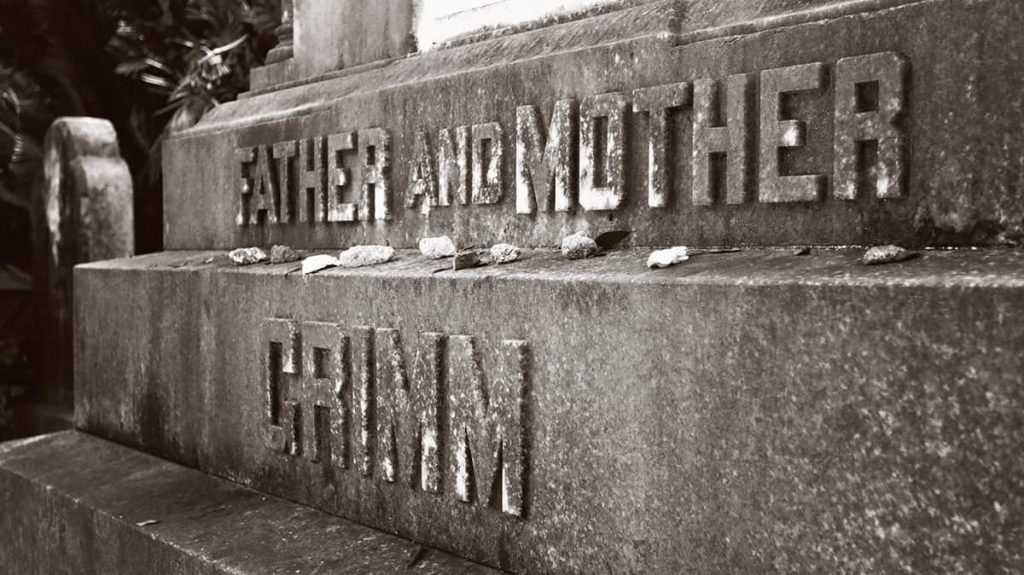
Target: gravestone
x,y
83,212
749,411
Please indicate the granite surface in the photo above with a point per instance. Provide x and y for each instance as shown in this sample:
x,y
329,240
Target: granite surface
x,y
73,503
740,412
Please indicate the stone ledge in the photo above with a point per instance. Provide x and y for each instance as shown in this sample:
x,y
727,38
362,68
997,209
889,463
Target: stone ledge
x,y
744,412
73,503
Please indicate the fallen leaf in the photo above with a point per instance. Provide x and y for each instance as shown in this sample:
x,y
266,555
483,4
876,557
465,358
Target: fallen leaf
x,y
470,259
609,240
313,264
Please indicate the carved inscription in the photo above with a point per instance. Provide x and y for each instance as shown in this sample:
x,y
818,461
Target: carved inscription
x,y
777,133
546,166
870,101
425,413
741,129
711,138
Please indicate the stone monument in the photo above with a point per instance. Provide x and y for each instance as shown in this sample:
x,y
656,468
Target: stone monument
x,y
749,410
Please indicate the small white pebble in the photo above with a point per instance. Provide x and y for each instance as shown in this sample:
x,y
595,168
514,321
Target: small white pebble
x,y
504,253
886,255
283,254
668,257
579,246
359,256
437,248
247,256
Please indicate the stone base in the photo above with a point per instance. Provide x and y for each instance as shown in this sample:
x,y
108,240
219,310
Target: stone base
x,y
739,413
72,503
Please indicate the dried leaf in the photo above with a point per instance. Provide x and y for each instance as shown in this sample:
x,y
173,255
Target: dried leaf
x,y
467,259
609,240
313,264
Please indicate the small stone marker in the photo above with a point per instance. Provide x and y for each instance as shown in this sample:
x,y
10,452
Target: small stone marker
x,y
247,256
437,248
504,253
668,257
361,256
886,255
579,246
82,213
283,255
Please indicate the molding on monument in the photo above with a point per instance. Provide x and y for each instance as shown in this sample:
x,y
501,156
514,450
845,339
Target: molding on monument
x,y
657,19
662,19
795,18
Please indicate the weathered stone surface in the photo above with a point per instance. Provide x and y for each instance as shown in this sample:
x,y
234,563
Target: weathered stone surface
x,y
790,414
941,153
73,503
84,213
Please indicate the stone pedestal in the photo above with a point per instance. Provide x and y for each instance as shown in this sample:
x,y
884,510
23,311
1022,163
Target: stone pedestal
x,y
751,411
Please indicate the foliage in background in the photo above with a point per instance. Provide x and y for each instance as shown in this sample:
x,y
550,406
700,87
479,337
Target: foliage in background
x,y
24,117
191,54
149,66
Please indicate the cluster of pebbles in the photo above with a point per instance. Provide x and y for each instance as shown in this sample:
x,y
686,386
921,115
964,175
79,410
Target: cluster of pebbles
x,y
574,247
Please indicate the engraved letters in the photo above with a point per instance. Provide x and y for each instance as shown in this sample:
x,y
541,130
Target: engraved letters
x,y
710,138
311,177
745,132
546,170
777,133
857,125
338,178
366,402
602,152
657,102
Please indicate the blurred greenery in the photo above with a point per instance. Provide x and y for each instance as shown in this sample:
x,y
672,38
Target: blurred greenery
x,y
151,67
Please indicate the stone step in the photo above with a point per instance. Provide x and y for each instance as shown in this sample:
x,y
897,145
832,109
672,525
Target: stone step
x,y
741,412
838,122
73,503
